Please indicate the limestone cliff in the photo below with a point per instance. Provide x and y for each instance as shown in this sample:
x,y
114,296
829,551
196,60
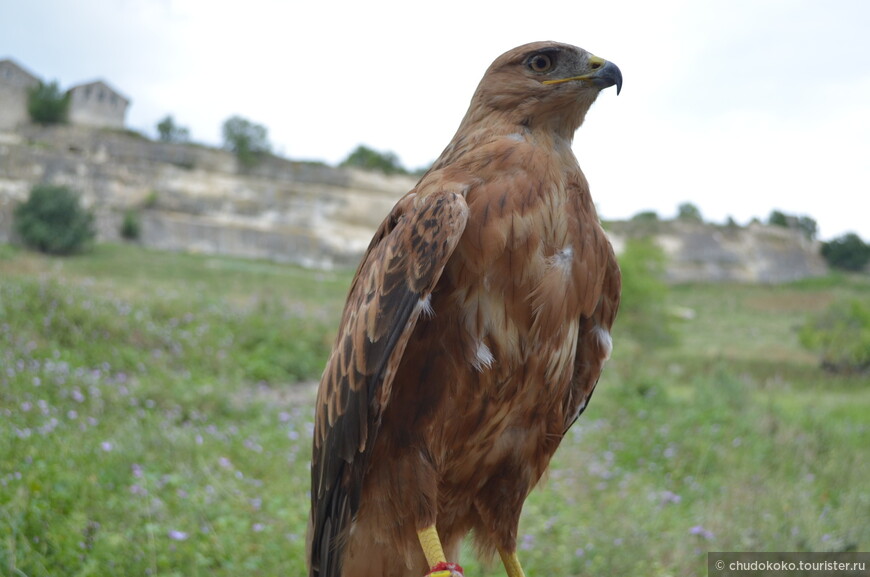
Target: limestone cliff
x,y
194,198
702,252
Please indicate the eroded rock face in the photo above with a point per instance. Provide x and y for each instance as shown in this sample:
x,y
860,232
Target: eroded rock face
x,y
698,252
193,198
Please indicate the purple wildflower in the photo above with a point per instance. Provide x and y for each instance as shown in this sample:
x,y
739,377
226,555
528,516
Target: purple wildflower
x,y
669,497
701,532
528,542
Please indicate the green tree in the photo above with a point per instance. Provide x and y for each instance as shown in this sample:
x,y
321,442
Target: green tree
x,y
777,218
644,224
168,131
130,229
52,220
690,212
806,225
646,216
841,335
47,104
643,311
370,159
847,252
248,140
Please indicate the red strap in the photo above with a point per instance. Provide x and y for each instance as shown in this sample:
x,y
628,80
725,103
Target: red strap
x,y
443,566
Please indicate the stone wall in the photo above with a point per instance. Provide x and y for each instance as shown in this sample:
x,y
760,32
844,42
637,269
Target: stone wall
x,y
97,104
14,85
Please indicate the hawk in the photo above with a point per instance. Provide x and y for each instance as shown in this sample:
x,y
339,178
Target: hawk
x,y
473,335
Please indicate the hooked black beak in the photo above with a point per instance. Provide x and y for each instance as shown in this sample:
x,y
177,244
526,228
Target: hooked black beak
x,y
607,75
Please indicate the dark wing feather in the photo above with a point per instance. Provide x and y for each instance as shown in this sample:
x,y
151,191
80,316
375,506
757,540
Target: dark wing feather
x,y
591,351
398,273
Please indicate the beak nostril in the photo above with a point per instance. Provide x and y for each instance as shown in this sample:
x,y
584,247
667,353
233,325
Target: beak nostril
x,y
596,65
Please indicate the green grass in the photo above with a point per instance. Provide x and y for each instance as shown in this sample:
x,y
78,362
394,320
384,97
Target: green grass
x,y
152,423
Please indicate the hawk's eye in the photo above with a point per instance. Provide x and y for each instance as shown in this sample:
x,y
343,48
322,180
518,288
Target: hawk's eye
x,y
541,62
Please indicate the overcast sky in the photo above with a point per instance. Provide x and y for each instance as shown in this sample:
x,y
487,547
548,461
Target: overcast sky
x,y
738,106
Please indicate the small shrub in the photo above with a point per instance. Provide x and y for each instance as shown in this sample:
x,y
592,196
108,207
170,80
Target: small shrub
x,y
151,200
806,225
47,104
646,216
168,131
847,252
689,212
644,224
369,159
248,140
643,312
52,220
841,335
131,229
777,218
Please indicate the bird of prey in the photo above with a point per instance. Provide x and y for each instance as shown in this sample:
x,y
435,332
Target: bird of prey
x,y
473,335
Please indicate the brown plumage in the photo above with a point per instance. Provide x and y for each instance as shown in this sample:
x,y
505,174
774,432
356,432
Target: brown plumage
x,y
474,333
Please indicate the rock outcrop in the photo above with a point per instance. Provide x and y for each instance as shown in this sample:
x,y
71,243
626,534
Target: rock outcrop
x,y
702,252
193,198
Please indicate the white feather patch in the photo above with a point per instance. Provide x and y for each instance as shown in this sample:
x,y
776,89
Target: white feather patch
x,y
483,357
425,306
563,259
605,339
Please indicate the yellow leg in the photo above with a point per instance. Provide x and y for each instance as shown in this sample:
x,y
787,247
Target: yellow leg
x,y
511,564
431,546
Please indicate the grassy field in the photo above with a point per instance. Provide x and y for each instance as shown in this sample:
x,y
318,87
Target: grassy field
x,y
156,412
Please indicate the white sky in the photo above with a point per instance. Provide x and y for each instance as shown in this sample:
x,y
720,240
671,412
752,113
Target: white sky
x,y
739,106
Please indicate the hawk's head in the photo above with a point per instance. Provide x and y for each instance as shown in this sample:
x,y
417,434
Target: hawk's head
x,y
545,83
